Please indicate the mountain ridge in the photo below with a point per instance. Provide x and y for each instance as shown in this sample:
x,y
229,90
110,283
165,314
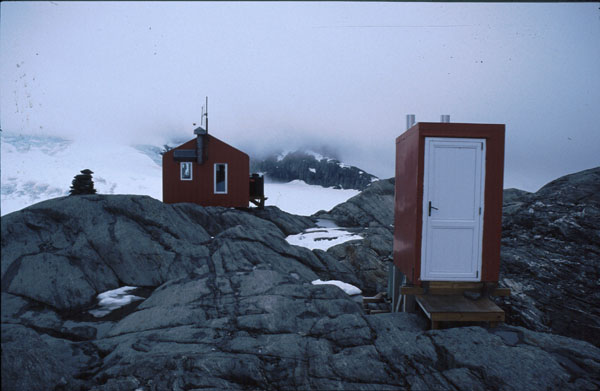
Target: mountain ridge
x,y
312,168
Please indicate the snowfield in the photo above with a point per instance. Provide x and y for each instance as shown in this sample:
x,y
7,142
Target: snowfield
x,y
298,197
34,172
37,168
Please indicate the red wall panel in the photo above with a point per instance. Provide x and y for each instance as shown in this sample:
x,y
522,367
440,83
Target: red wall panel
x,y
407,202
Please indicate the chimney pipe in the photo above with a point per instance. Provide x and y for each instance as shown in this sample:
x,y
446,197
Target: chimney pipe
x,y
445,118
410,120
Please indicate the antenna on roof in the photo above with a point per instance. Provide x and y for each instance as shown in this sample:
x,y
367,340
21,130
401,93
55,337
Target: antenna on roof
x,y
205,115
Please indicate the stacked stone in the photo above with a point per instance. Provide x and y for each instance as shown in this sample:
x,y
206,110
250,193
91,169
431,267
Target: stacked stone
x,y
83,183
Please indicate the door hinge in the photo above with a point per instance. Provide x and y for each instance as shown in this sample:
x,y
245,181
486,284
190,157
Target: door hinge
x,y
477,274
482,146
479,210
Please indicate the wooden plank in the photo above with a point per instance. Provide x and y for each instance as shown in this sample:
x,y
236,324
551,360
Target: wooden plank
x,y
455,285
373,312
457,303
458,308
467,317
378,298
448,290
500,291
411,290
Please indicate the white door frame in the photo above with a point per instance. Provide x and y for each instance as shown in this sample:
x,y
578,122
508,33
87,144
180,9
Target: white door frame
x,y
430,223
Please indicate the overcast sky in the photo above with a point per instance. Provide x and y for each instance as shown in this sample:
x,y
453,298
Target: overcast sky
x,y
283,75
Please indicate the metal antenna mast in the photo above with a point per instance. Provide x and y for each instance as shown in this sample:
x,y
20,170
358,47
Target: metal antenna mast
x,y
206,115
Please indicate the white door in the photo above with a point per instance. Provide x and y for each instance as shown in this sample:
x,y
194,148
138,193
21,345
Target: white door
x,y
453,184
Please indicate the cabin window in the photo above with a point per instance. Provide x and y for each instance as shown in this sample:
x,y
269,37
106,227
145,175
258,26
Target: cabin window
x,y
220,178
185,171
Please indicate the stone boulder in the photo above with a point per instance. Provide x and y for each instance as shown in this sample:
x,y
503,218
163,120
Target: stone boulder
x,y
371,215
288,223
372,207
551,257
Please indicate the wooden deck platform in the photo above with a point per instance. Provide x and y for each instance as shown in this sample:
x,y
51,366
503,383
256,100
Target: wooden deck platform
x,y
439,308
450,288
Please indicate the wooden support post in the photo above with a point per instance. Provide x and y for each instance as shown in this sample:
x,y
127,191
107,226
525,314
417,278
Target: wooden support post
x,y
409,303
397,278
259,202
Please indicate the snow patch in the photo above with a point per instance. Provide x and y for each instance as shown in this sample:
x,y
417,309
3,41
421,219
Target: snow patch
x,y
318,156
322,238
314,154
111,300
282,155
348,288
313,170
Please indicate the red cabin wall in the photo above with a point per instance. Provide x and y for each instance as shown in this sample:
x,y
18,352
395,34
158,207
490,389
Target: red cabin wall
x,y
408,217
200,189
407,203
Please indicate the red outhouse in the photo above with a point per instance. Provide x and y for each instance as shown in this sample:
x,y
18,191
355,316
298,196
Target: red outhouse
x,y
206,171
448,202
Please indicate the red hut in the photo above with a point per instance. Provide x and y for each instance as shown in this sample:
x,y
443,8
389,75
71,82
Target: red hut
x,y
206,171
448,211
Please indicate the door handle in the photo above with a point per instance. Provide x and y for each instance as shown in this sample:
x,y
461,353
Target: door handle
x,y
431,207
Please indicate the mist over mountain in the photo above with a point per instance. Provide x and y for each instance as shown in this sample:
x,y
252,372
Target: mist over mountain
x,y
312,168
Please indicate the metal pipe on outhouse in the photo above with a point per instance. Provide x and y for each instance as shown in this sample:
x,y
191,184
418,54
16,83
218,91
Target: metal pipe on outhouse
x,y
445,118
410,121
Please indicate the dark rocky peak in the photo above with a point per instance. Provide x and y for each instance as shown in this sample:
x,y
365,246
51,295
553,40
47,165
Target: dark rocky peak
x,y
313,169
515,195
580,187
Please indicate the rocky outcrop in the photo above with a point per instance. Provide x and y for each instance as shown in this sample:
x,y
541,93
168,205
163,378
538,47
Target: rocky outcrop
x,y
229,305
371,214
312,169
373,207
288,223
550,251
80,244
551,256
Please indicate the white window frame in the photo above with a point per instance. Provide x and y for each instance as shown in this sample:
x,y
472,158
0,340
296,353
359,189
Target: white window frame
x,y
191,166
215,178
